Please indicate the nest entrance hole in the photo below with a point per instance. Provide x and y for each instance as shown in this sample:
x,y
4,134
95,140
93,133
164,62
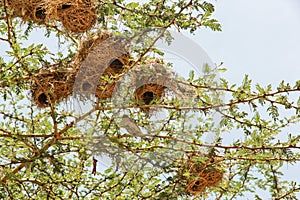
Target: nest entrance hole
x,y
196,186
40,13
148,93
116,65
43,99
148,97
63,7
86,86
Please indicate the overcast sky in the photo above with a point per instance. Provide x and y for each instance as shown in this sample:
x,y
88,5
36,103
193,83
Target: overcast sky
x,y
260,38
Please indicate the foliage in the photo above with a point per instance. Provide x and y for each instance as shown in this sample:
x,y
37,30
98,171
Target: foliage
x,y
52,153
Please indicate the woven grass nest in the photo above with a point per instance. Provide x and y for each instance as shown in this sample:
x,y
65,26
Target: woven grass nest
x,y
32,10
52,86
152,81
105,88
100,56
201,175
148,93
88,44
76,15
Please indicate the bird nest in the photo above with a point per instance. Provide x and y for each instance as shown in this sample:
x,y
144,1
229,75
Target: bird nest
x,y
88,44
101,60
152,81
32,10
201,175
107,80
148,93
91,68
52,86
76,15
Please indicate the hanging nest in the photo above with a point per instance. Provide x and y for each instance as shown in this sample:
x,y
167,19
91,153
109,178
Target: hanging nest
x,y
147,93
80,19
201,175
52,86
152,81
77,16
88,44
101,60
105,87
30,10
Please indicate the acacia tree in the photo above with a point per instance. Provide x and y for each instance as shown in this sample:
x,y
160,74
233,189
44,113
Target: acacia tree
x,y
50,152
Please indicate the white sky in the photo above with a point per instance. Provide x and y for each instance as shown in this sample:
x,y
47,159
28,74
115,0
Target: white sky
x,y
260,38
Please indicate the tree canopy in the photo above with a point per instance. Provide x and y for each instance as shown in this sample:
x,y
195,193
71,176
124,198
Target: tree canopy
x,y
108,117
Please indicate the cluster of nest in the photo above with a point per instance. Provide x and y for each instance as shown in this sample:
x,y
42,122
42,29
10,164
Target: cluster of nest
x,y
101,60
201,175
76,15
55,84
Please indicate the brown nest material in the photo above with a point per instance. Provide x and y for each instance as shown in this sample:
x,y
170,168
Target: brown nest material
x,y
105,90
156,81
88,44
57,84
107,80
18,7
106,87
57,8
201,175
96,59
52,86
101,60
32,10
77,16
113,70
151,82
147,93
